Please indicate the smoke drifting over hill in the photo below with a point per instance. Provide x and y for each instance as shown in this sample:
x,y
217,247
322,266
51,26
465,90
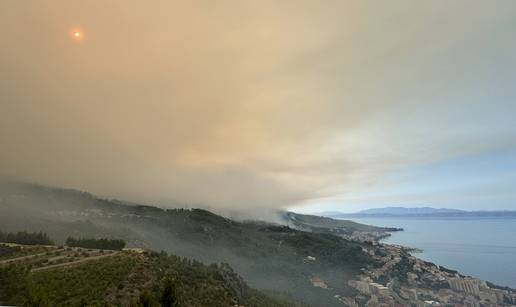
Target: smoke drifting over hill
x,y
246,105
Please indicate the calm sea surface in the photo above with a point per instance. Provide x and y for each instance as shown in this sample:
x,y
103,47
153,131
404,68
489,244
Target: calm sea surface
x,y
484,248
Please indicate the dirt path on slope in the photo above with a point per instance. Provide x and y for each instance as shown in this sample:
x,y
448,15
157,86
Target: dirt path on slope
x,y
72,263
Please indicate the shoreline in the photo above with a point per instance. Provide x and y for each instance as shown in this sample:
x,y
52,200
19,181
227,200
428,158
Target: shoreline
x,y
408,280
476,247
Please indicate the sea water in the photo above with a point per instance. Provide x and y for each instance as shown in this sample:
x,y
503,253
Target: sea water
x,y
479,247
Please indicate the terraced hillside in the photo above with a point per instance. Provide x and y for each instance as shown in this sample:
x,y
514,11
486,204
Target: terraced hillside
x,y
46,257
66,276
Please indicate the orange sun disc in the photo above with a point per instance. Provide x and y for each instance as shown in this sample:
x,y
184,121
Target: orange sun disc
x,y
77,34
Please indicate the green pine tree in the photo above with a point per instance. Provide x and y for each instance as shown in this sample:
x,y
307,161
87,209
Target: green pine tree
x,y
169,297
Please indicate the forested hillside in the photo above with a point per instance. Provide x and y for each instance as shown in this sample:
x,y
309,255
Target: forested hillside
x,y
121,279
269,257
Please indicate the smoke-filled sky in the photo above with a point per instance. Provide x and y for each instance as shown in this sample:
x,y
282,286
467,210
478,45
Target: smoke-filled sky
x,y
313,105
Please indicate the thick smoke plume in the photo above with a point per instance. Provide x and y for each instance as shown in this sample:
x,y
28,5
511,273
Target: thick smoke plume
x,y
239,104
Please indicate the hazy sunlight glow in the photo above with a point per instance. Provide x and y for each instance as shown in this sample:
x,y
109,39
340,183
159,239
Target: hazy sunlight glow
x,y
77,34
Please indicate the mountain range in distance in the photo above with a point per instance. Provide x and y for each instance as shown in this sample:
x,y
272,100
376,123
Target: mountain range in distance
x,y
422,212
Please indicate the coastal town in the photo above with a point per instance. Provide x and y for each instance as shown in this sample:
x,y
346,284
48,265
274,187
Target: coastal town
x,y
405,280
